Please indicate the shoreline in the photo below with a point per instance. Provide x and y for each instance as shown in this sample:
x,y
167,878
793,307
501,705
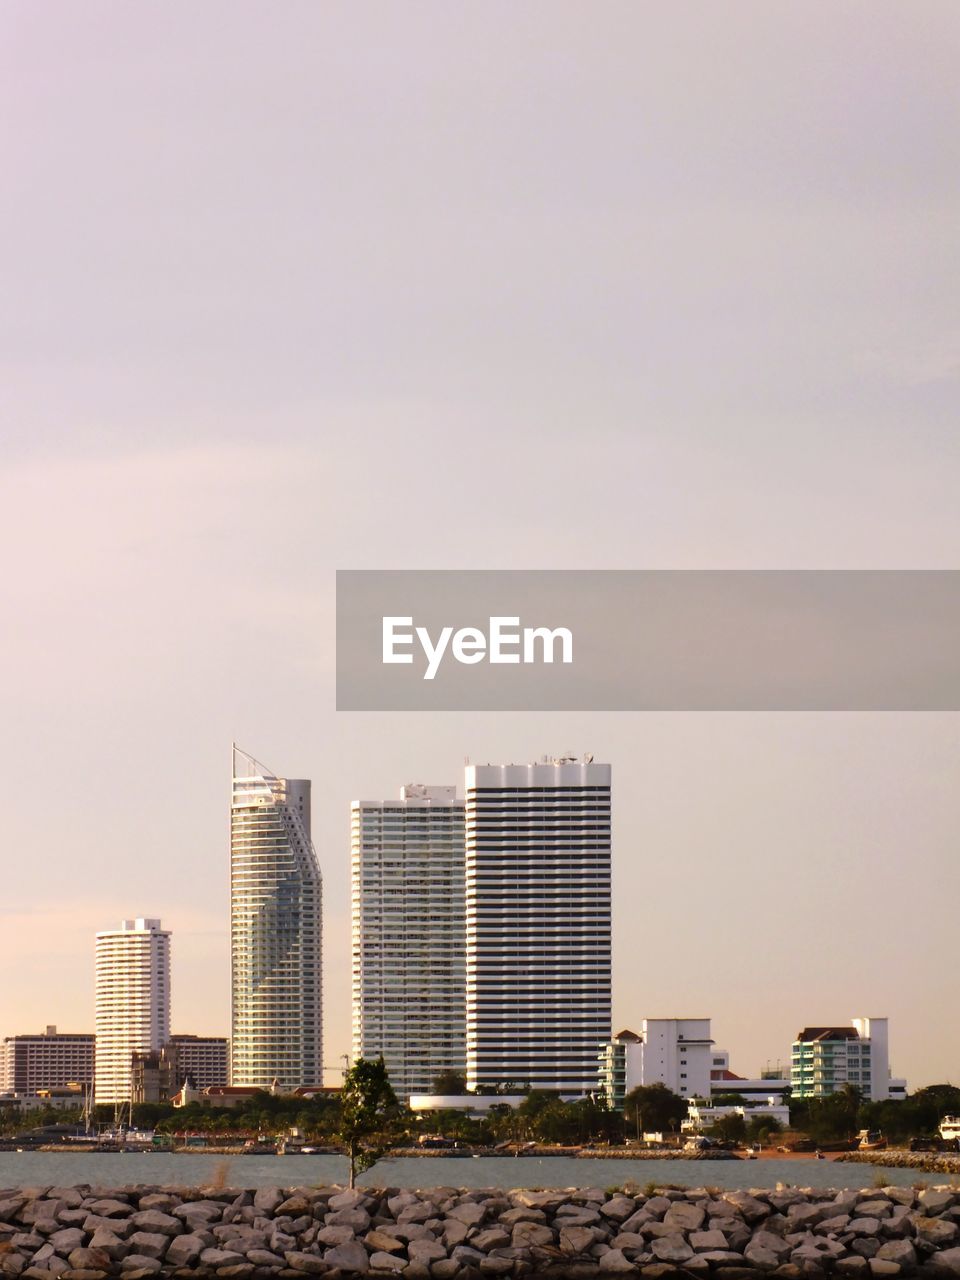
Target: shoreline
x,y
448,1233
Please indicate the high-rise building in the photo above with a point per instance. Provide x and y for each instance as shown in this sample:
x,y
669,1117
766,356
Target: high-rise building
x,y
205,1059
50,1060
132,1002
202,1060
275,931
407,889
824,1059
538,923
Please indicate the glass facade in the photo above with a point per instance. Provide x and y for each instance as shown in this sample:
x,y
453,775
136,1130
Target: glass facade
x,y
275,931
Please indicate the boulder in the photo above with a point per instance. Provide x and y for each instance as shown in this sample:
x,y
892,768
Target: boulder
x,y
351,1257
901,1252
618,1208
671,1249
936,1232
532,1234
155,1221
685,1217
183,1251
268,1199
148,1244
383,1242
386,1262
934,1200
309,1262
704,1241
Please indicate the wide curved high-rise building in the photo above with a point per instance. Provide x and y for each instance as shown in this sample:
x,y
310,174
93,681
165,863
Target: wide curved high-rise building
x,y
275,931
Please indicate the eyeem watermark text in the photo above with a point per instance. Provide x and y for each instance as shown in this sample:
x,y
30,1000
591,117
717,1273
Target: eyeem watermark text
x,y
504,641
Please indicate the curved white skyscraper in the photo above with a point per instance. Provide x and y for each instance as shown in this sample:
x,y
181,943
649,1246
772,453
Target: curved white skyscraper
x,y
275,931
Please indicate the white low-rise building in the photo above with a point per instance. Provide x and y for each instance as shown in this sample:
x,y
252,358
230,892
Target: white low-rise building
x,y
825,1059
700,1116
675,1052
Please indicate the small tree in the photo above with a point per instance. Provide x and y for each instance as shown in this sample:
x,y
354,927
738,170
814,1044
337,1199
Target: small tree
x,y
654,1107
367,1102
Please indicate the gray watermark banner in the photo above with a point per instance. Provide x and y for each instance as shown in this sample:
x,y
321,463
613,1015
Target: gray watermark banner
x,y
647,640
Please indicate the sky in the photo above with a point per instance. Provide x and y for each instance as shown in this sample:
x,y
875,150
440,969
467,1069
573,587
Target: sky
x,y
478,286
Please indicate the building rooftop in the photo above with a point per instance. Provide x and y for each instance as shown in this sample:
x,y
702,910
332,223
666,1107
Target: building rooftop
x,y
809,1034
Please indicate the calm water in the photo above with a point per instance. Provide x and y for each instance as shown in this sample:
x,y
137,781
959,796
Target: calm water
x,y
35,1168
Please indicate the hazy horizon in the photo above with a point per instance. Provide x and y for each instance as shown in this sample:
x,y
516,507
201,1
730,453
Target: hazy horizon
x,y
478,287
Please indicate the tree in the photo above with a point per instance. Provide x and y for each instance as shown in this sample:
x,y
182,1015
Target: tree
x,y
450,1084
732,1128
654,1108
367,1103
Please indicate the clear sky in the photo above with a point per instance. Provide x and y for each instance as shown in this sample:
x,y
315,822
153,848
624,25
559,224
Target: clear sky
x,y
287,289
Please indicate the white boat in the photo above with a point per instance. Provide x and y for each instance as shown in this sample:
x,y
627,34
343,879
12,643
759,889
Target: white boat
x,y
950,1129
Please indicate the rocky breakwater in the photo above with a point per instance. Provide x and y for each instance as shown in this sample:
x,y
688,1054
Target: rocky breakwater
x,y
84,1233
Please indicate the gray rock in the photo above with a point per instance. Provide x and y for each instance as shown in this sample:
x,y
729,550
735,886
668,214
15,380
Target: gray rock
x,y
159,1200
66,1239
220,1257
618,1208
883,1270
873,1208
383,1242
136,1265
576,1239
704,1241
381,1261
89,1260
348,1257
752,1209
456,1232
348,1200
937,1232
613,1261
308,1262
538,1199
198,1212
491,1265
426,1251
149,1244
863,1227
112,1245
110,1208
490,1238
851,1266
949,1260
264,1258
900,1251
418,1212
160,1223
762,1259
576,1216
10,1207
183,1251
934,1200
356,1219
684,1217
268,1199
531,1234
333,1236
671,1249
472,1214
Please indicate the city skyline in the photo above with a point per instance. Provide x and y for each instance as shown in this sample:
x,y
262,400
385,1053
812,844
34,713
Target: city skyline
x,y
622,291
411,948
